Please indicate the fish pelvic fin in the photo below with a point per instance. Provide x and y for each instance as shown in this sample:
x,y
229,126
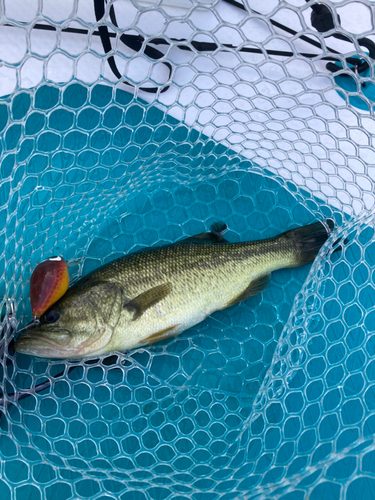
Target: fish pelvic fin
x,y
256,286
307,241
161,335
147,299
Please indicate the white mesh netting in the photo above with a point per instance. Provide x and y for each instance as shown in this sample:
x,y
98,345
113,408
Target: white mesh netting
x,y
225,116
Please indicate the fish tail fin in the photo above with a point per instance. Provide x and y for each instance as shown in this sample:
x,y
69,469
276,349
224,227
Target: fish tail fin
x,y
307,241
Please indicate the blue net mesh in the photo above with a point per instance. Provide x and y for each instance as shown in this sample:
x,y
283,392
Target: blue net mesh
x,y
272,398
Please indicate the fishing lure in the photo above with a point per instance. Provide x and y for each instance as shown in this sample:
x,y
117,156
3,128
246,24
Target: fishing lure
x,y
48,283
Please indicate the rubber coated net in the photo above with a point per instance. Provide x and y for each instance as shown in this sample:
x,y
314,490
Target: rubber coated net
x,y
128,125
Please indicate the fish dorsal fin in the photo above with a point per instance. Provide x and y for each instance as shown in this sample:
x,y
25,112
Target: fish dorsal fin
x,y
256,286
147,299
219,228
107,299
213,236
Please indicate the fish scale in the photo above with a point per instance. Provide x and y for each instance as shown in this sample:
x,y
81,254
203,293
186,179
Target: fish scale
x,y
155,293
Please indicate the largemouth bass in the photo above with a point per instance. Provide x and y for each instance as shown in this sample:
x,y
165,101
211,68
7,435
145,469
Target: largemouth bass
x,y
156,293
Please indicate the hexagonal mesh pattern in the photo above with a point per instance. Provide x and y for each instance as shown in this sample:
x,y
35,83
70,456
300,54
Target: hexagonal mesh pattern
x,y
272,398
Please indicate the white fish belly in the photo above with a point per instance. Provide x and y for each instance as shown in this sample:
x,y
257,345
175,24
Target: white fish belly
x,y
177,310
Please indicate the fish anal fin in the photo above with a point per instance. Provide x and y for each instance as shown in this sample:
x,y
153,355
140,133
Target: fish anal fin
x,y
256,286
147,299
161,335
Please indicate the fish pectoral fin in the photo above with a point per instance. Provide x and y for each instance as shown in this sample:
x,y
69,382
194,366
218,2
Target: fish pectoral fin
x,y
161,335
147,299
256,286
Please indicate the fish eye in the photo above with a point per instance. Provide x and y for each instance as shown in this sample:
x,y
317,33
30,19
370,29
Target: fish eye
x,y
51,316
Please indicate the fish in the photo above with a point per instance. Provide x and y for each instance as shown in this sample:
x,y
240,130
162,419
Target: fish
x,y
153,294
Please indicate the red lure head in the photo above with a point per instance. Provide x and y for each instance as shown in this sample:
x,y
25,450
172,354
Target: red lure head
x,y
49,281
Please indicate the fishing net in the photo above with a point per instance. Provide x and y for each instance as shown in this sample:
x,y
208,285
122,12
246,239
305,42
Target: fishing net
x,y
128,125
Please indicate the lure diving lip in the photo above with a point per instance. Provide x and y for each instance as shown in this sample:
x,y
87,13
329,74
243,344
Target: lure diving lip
x,y
49,282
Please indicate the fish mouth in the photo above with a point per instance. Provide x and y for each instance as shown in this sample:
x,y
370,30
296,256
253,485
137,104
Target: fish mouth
x,y
43,343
